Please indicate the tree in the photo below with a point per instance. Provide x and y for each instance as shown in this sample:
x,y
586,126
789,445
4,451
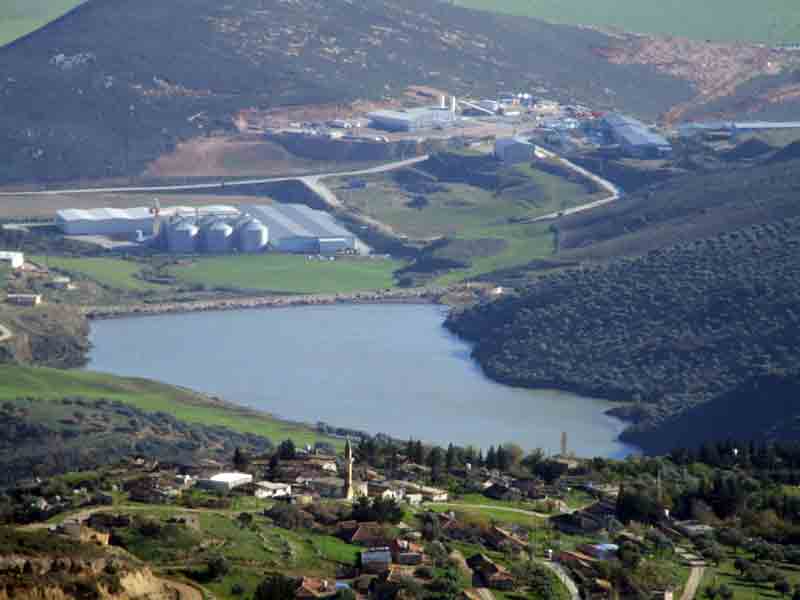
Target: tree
x,y
240,459
217,567
725,592
711,592
436,462
275,587
782,587
796,594
550,470
491,458
450,458
742,565
503,461
287,450
630,555
731,537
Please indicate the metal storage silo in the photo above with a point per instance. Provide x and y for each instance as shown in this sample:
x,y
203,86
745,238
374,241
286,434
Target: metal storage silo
x,y
253,236
219,236
182,236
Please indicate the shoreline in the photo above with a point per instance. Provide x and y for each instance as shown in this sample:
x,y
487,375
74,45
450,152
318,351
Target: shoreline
x,y
415,296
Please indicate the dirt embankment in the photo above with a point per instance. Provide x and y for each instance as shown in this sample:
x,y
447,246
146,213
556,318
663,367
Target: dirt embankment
x,y
715,69
389,296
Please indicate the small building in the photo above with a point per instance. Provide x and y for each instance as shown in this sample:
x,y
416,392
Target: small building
x,y
24,299
493,575
224,482
376,560
311,589
14,260
634,137
693,529
432,494
268,489
406,553
514,150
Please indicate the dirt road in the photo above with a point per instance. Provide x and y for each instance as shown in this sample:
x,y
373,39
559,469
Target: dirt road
x,y
695,577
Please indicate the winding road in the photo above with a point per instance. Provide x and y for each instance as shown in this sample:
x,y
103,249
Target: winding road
x,y
312,180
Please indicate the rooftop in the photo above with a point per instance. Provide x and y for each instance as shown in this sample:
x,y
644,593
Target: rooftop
x,y
232,477
297,220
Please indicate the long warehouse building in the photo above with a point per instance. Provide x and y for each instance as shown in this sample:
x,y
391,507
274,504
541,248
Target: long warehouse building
x,y
299,228
127,221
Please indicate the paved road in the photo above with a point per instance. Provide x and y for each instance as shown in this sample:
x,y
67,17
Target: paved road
x,y
613,190
226,184
564,577
695,577
5,333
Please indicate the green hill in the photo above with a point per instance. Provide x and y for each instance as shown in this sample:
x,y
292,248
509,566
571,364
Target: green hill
x,y
771,21
21,17
55,421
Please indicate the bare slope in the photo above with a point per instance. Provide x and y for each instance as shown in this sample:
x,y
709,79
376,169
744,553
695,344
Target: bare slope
x,y
116,83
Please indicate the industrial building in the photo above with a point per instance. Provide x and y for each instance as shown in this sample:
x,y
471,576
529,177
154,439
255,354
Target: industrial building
x,y
224,482
634,137
732,128
514,150
299,228
105,221
14,260
129,221
414,119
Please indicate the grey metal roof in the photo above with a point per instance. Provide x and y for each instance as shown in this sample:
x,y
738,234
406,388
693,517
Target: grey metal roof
x,y
633,131
297,220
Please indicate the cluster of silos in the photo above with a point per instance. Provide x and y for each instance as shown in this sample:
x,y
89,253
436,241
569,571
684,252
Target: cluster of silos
x,y
216,235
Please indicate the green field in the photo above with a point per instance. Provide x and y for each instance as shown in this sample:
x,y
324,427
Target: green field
x,y
465,211
20,17
54,384
288,273
110,272
769,21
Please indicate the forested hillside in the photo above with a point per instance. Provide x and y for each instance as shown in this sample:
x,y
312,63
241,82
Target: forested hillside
x,y
117,82
673,328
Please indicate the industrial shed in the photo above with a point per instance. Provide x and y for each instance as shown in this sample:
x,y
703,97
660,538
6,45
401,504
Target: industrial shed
x,y
635,138
105,221
412,119
14,260
299,228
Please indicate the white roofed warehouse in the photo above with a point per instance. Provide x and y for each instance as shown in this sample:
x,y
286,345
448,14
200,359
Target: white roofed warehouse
x,y
224,482
105,221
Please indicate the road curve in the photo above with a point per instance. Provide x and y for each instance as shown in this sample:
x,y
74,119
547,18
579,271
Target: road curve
x,y
5,333
613,190
563,576
519,511
224,184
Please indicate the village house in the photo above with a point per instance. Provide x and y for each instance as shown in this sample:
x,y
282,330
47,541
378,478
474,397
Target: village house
x,y
406,553
368,534
268,489
493,575
79,531
376,560
311,588
385,490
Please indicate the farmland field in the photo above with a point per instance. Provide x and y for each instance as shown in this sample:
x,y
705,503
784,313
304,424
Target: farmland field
x,y
21,17
111,272
770,21
288,273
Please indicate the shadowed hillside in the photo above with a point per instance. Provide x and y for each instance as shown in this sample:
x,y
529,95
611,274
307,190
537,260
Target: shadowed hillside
x,y
116,83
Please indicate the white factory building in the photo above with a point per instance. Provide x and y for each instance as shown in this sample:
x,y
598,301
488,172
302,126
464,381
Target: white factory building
x,y
301,229
14,260
224,482
127,221
413,119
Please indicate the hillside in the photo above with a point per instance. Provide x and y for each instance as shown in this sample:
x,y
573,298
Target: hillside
x,y
54,421
763,408
116,83
673,328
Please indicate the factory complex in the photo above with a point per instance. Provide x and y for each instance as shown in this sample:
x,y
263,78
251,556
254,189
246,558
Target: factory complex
x,y
634,137
416,119
216,229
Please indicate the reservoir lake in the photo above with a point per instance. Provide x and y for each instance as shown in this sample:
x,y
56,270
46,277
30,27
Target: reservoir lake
x,y
388,368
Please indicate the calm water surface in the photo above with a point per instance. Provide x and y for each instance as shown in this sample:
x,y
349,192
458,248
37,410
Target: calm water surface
x,y
381,368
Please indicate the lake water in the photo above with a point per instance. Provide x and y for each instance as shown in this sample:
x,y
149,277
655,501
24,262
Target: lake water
x,y
380,368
